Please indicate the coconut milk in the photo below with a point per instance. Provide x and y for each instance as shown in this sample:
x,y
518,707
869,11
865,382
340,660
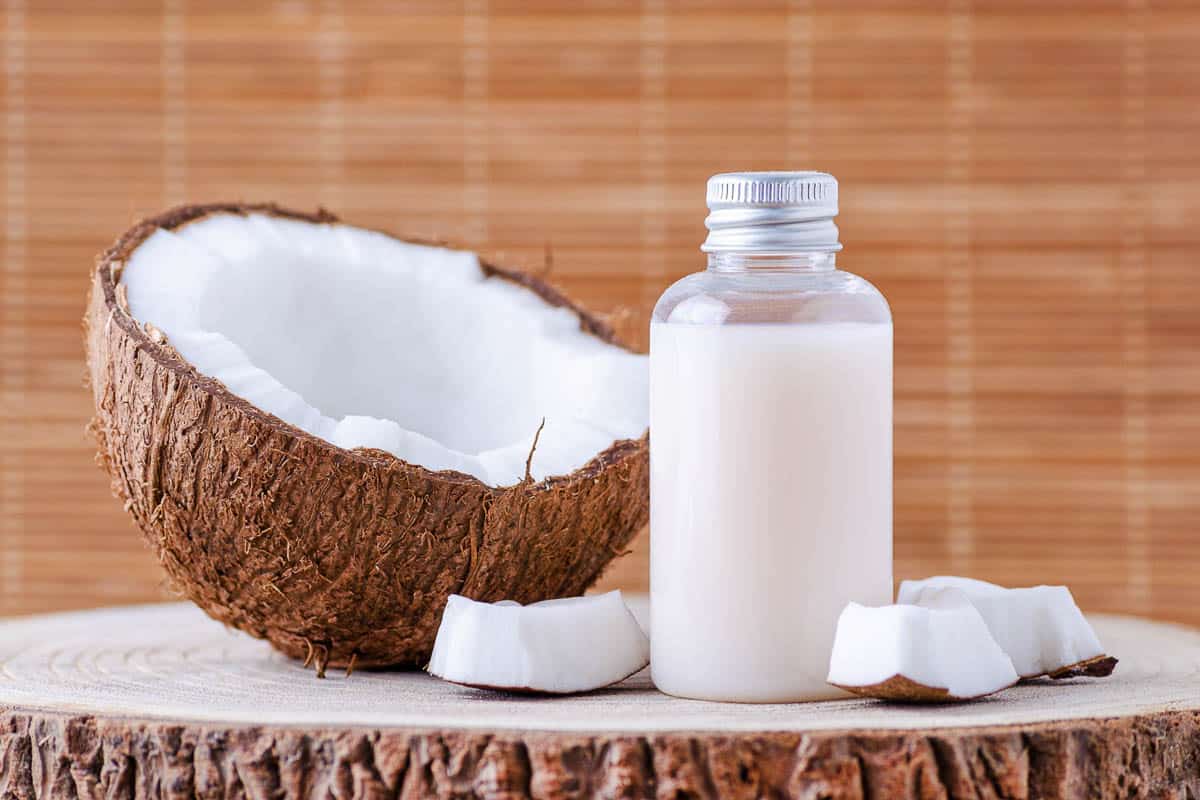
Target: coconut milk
x,y
771,501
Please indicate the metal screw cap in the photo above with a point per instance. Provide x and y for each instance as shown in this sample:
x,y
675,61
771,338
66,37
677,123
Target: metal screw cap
x,y
771,212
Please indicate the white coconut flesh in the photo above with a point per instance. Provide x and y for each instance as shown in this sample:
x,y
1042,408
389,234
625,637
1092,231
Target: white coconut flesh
x,y
561,646
1040,627
367,341
943,646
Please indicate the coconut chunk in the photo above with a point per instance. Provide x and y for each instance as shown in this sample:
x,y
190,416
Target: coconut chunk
x,y
1040,627
574,644
367,341
937,652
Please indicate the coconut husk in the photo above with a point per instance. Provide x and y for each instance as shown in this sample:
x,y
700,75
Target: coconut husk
x,y
905,690
346,554
1099,667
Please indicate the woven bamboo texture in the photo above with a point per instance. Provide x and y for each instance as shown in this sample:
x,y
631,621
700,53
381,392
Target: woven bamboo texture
x,y
1022,179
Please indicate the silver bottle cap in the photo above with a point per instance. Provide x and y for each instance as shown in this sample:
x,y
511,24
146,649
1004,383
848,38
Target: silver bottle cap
x,y
771,212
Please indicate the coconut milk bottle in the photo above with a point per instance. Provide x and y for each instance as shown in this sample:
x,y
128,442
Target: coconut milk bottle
x,y
770,448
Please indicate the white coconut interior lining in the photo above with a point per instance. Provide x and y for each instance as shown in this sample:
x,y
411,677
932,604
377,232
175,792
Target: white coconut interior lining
x,y
1040,627
572,644
366,341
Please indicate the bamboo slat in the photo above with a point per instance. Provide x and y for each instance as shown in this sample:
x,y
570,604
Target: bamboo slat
x,y
1021,179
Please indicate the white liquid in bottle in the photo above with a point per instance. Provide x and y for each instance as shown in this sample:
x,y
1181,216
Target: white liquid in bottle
x,y
771,475
770,448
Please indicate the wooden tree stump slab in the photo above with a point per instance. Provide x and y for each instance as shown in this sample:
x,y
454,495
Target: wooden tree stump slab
x,y
159,701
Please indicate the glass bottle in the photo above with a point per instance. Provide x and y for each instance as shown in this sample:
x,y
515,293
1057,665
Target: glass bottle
x,y
770,448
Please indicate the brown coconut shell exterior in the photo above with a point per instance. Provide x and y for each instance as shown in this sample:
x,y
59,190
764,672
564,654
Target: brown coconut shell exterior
x,y
328,553
900,689
1099,667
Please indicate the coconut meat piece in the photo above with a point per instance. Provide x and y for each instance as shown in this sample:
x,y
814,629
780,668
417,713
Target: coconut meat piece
x,y
560,646
1040,627
941,650
367,341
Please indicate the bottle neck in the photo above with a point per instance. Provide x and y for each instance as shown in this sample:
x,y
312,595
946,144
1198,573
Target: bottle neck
x,y
814,261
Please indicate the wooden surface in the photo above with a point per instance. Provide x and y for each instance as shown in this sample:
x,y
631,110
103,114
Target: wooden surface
x,y
170,662
1020,178
91,690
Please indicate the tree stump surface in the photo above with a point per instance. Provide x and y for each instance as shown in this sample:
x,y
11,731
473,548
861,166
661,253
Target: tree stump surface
x,y
160,701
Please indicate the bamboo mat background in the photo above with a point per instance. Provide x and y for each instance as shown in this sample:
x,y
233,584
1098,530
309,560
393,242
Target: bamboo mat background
x,y
1022,179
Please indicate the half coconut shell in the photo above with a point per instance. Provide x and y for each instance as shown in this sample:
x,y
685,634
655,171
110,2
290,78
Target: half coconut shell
x,y
348,554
